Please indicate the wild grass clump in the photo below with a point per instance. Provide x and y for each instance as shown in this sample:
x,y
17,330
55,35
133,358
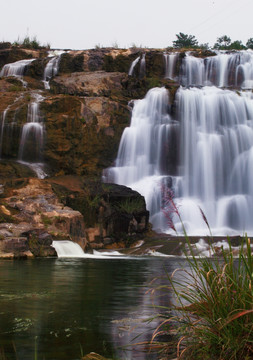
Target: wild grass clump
x,y
30,43
213,314
131,205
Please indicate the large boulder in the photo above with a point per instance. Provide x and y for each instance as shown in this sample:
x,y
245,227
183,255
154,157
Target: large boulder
x,y
112,213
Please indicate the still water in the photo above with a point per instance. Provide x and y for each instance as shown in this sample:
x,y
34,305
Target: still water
x,y
63,308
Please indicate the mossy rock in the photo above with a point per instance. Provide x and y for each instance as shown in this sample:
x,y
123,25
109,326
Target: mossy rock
x,y
70,63
36,69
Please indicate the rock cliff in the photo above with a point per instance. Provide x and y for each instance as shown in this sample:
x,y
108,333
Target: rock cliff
x,y
77,114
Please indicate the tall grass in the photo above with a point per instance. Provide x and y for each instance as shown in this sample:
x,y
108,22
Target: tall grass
x,y
212,317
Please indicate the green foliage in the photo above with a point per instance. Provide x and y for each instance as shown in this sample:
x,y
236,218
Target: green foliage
x,y
237,45
214,316
131,205
185,41
30,43
249,43
222,43
204,46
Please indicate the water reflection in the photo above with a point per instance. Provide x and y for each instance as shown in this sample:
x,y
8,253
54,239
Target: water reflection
x,y
79,305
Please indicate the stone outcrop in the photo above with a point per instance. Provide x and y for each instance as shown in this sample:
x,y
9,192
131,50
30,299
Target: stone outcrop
x,y
35,212
33,217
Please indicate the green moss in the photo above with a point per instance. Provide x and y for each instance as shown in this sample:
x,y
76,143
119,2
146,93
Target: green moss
x,y
120,63
70,63
46,220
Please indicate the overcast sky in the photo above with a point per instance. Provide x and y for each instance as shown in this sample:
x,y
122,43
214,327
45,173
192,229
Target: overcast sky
x,y
83,24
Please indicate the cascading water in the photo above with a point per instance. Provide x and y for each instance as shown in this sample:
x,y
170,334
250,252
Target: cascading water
x,y
170,65
2,131
144,146
15,69
222,70
205,156
52,68
131,70
142,68
32,138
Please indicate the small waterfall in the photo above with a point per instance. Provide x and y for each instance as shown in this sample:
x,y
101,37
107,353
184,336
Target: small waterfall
x,y
170,65
51,69
70,249
66,248
131,70
32,138
2,131
222,70
15,69
142,67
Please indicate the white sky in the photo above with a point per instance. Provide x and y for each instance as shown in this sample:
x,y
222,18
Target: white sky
x,y
83,24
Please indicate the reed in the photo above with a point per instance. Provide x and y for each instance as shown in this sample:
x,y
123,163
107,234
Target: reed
x,y
213,314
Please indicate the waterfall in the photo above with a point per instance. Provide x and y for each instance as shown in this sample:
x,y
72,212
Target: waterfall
x,y
142,69
144,146
131,70
2,131
52,68
15,69
66,248
204,154
223,70
170,65
32,138
142,66
70,249
216,158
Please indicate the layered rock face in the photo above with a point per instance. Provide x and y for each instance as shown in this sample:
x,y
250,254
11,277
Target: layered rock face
x,y
79,111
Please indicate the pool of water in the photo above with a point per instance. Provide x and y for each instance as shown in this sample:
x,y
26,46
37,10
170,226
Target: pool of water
x,y
63,308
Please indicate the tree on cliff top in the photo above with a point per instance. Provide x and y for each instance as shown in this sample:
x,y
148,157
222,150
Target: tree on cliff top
x,y
185,41
249,43
222,43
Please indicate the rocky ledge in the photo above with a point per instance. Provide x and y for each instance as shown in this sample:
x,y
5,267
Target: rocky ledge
x,y
34,213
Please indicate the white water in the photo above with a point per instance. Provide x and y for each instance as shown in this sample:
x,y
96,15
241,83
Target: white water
x,y
52,68
70,249
32,139
210,165
16,69
170,65
142,66
2,131
223,70
131,70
